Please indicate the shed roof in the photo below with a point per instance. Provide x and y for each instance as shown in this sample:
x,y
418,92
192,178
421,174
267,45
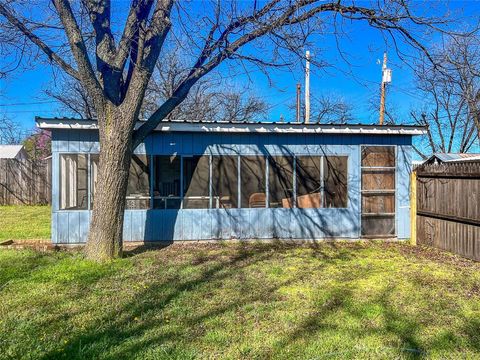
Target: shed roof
x,y
10,151
244,127
453,157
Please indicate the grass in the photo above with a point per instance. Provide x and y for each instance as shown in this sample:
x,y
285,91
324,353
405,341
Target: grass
x,y
25,222
241,301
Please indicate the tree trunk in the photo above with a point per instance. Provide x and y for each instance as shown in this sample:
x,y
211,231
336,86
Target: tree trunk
x,y
105,238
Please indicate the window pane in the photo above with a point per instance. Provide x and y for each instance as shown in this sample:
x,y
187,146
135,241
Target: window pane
x,y
280,181
378,156
73,182
138,188
94,160
308,182
225,182
376,204
196,182
378,179
383,225
166,186
335,181
253,190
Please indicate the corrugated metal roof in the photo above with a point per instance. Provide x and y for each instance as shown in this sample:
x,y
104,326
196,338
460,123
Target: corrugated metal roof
x,y
454,157
10,151
242,127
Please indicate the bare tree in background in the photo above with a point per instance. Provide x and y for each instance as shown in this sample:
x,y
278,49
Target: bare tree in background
x,y
10,132
207,100
114,60
451,93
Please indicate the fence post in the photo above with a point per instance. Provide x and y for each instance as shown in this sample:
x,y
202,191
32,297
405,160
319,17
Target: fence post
x,y
413,208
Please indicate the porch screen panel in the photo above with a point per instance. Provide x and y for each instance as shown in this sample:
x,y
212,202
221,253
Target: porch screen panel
x,y
378,191
280,181
73,182
138,188
94,161
166,185
196,182
308,182
253,182
335,181
225,182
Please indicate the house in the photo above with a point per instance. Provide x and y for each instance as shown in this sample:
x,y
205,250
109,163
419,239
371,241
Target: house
x,y
16,152
440,158
224,180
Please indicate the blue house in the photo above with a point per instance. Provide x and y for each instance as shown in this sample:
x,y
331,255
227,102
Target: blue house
x,y
221,180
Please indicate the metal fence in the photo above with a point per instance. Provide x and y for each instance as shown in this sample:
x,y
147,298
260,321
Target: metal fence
x,y
25,182
448,207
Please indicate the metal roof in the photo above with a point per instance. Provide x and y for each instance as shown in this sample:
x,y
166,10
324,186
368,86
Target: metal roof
x,y
10,151
454,157
244,127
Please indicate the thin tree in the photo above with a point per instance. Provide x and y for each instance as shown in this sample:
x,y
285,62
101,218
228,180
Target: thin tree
x,y
114,63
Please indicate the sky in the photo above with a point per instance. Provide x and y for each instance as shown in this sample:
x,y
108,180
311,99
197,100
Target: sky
x,y
357,82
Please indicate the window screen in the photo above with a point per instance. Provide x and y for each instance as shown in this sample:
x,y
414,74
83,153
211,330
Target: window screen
x,y
138,188
308,182
166,185
335,181
73,182
252,183
280,181
225,182
196,176
94,161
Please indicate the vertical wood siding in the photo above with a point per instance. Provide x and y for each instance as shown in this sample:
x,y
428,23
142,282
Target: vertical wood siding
x,y
204,224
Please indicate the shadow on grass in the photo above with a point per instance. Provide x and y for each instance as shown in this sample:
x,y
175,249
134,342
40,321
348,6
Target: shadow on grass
x,y
190,291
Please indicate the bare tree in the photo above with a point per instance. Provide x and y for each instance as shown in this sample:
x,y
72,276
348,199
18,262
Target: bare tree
x,y
115,67
11,133
452,96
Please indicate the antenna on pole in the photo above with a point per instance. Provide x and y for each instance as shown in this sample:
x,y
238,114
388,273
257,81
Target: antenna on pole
x,y
307,88
386,79
299,91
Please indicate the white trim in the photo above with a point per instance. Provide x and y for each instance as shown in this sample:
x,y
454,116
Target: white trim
x,y
219,127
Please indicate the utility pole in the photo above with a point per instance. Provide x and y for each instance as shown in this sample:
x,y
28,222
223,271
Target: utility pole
x,y
299,91
386,78
307,88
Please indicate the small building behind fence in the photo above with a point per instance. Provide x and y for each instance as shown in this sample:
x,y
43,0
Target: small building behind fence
x,y
23,181
448,206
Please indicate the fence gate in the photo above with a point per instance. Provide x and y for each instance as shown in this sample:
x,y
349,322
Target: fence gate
x,y
448,208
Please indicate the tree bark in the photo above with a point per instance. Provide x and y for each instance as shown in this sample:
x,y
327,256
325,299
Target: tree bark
x,y
105,237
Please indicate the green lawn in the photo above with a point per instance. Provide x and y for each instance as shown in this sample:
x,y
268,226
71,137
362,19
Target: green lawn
x,y
25,222
241,301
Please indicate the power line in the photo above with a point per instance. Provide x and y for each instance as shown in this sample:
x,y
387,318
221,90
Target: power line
x,y
29,103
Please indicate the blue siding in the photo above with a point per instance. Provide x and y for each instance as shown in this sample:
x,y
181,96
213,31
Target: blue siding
x,y
167,225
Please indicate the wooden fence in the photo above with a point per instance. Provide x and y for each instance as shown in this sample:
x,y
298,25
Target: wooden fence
x,y
448,208
23,182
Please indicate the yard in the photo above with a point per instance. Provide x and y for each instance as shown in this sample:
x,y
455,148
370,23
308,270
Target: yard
x,y
24,223
277,300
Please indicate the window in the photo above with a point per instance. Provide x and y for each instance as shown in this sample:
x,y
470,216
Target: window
x,y
253,184
308,182
138,188
73,182
378,190
196,176
225,182
280,181
335,181
166,185
94,161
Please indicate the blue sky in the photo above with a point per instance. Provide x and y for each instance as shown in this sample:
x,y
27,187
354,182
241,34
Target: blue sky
x,y
356,82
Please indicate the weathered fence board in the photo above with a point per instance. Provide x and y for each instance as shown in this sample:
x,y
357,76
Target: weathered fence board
x,y
448,208
23,182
